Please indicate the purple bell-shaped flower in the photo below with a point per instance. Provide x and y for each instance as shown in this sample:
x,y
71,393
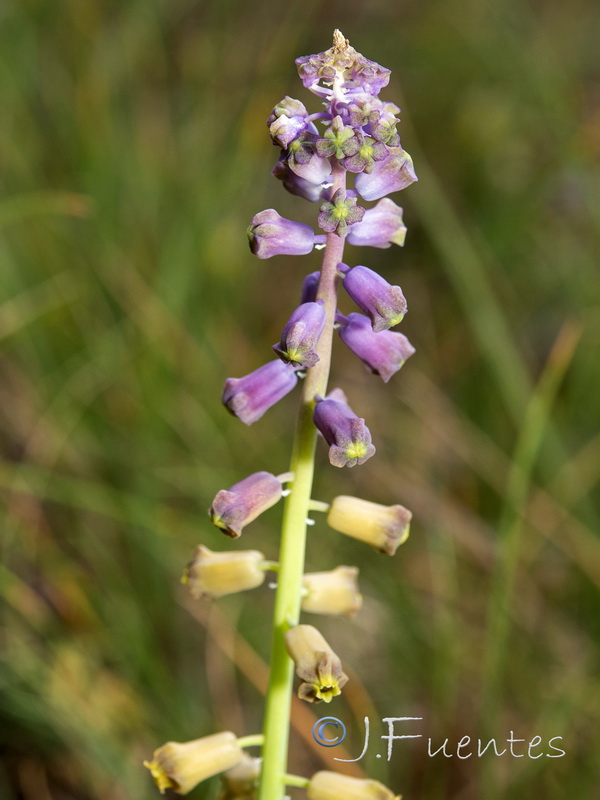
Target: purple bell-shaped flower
x,y
348,437
310,286
249,397
243,502
381,226
304,160
301,334
383,353
383,303
270,234
394,173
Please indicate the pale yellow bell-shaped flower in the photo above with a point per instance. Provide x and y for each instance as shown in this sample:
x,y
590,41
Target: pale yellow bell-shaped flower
x,y
182,765
240,782
212,574
383,527
334,592
334,786
316,664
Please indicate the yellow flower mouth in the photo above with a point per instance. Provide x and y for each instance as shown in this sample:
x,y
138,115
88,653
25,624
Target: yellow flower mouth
x,y
294,355
356,450
326,691
160,777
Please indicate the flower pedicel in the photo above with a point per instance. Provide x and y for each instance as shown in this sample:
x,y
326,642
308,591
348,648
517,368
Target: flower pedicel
x,y
338,157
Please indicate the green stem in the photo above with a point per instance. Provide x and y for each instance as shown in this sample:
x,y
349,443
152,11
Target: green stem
x,y
318,505
293,532
270,566
296,780
254,740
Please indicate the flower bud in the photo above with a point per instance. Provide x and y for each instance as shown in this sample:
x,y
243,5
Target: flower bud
x,y
182,766
285,129
290,107
240,782
383,527
394,173
383,353
316,664
383,303
270,234
334,786
287,121
213,575
335,592
381,226
249,397
243,502
348,437
301,334
310,286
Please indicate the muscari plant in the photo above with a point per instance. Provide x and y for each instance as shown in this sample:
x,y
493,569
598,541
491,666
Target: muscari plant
x,y
355,135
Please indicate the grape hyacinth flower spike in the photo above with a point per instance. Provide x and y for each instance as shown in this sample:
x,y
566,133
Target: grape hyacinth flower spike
x,y
343,156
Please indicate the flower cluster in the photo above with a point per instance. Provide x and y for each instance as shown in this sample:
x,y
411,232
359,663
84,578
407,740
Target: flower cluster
x,y
354,135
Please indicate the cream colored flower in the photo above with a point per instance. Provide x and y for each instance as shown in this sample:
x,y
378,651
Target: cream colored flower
x,y
316,664
215,574
182,765
334,592
333,786
240,782
383,527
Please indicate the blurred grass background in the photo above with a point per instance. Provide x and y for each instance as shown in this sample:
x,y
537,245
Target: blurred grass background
x,y
133,153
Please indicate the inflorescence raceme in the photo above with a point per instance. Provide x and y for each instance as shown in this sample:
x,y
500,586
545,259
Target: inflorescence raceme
x,y
354,135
